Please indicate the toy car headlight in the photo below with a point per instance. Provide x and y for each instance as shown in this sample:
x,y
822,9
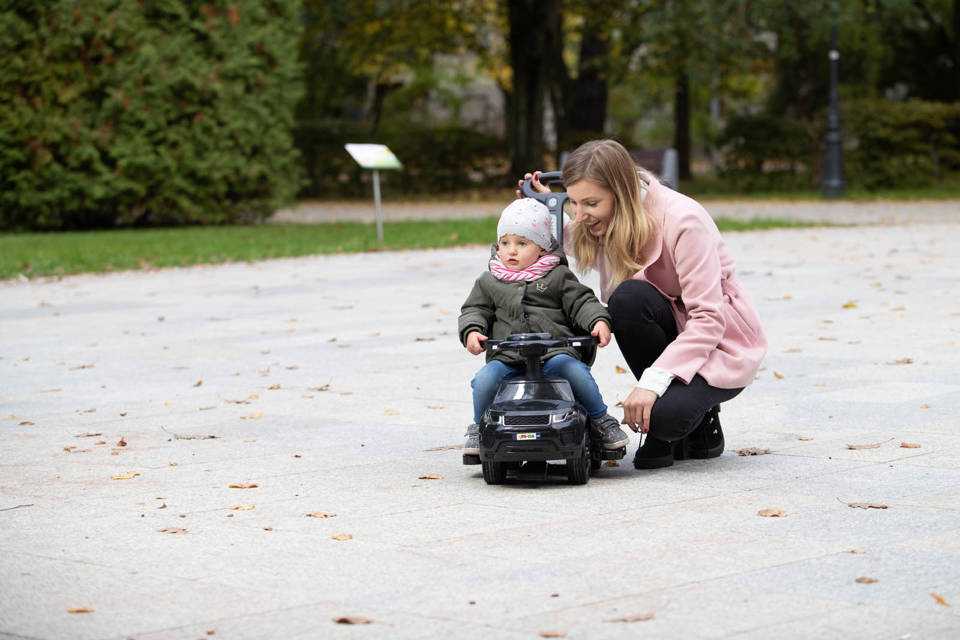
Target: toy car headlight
x,y
563,416
494,417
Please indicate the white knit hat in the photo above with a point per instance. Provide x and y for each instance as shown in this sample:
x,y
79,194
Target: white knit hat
x,y
528,218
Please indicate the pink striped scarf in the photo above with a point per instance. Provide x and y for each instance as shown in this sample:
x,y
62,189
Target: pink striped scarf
x,y
538,269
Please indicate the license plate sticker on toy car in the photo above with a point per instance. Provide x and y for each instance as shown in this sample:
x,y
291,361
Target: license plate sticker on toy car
x,y
527,436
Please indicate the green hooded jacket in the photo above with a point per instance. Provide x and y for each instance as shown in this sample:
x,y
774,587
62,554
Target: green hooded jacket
x,y
557,304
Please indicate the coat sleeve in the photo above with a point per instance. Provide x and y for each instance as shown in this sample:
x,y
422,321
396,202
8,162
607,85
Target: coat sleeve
x,y
580,304
699,274
476,314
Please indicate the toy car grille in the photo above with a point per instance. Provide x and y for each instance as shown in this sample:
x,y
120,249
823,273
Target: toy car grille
x,y
525,421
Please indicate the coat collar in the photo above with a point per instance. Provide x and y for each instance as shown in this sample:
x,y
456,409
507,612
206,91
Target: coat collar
x,y
653,207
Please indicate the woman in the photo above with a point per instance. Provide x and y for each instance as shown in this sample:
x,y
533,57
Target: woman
x,y
681,318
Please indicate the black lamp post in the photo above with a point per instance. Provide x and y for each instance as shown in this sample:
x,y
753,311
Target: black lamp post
x,y
833,185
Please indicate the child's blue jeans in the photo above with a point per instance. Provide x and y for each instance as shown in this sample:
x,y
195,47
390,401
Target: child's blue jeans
x,y
585,388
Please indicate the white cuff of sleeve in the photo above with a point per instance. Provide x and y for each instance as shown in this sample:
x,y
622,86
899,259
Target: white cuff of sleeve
x,y
655,379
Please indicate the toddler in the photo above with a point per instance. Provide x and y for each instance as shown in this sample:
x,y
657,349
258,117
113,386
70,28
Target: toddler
x,y
527,290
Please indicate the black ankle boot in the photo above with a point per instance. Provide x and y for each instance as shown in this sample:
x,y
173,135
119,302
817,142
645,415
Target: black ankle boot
x,y
657,454
706,441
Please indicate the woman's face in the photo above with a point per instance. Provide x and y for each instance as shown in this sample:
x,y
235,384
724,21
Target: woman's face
x,y
592,206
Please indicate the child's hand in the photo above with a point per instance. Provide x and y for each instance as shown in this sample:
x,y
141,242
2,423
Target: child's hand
x,y
475,342
601,331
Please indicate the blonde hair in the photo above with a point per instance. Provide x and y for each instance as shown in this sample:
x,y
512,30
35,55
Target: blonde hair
x,y
607,163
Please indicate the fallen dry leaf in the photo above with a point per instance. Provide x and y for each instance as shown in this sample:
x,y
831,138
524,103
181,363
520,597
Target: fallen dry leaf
x,y
173,530
619,369
924,406
804,438
909,445
635,617
70,448
771,512
267,528
242,485
243,507
342,537
872,445
431,476
321,514
322,387
793,350
448,447
130,475
903,361
866,580
198,382
856,552
391,412
352,620
82,366
867,505
121,442
939,599
88,435
25,423
256,415
552,634
80,610
273,387
778,375
752,451
850,304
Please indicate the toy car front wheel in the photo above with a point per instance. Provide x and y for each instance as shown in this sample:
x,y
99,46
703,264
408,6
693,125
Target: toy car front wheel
x,y
578,469
494,472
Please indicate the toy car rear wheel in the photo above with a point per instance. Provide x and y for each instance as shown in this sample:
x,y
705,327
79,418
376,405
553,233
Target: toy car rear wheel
x,y
494,472
578,469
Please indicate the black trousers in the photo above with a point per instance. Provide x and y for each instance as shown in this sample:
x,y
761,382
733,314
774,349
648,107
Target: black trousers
x,y
643,325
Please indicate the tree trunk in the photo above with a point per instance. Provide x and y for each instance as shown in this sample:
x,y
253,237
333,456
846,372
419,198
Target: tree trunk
x,y
681,124
588,112
528,59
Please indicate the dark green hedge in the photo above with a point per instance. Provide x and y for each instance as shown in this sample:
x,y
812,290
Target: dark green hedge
x,y
887,145
115,112
435,159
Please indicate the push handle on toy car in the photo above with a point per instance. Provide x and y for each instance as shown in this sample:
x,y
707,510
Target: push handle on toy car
x,y
554,200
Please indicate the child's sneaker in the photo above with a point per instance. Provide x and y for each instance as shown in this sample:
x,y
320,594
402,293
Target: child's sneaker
x,y
472,445
608,430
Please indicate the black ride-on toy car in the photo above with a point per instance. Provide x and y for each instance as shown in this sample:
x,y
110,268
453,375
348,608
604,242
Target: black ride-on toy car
x,y
536,419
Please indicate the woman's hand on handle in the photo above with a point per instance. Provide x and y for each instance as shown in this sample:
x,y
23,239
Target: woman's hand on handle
x,y
536,184
637,408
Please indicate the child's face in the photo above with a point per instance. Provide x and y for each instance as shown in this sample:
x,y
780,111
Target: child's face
x,y
516,252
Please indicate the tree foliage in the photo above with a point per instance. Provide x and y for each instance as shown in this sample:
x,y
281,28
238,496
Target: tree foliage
x,y
160,112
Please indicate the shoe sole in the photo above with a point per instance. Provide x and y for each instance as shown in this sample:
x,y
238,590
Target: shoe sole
x,y
653,463
706,454
616,445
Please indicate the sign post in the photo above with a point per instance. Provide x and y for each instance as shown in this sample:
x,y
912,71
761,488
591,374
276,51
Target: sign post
x,y
374,157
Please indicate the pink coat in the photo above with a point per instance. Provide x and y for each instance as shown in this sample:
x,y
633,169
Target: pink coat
x,y
720,336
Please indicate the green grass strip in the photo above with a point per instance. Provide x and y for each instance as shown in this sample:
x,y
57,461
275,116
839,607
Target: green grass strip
x,y
62,253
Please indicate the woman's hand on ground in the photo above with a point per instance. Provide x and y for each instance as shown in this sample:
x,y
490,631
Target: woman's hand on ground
x,y
637,408
475,342
601,331
537,185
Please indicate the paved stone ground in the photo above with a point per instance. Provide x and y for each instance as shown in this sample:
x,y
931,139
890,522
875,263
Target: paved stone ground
x,y
336,384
